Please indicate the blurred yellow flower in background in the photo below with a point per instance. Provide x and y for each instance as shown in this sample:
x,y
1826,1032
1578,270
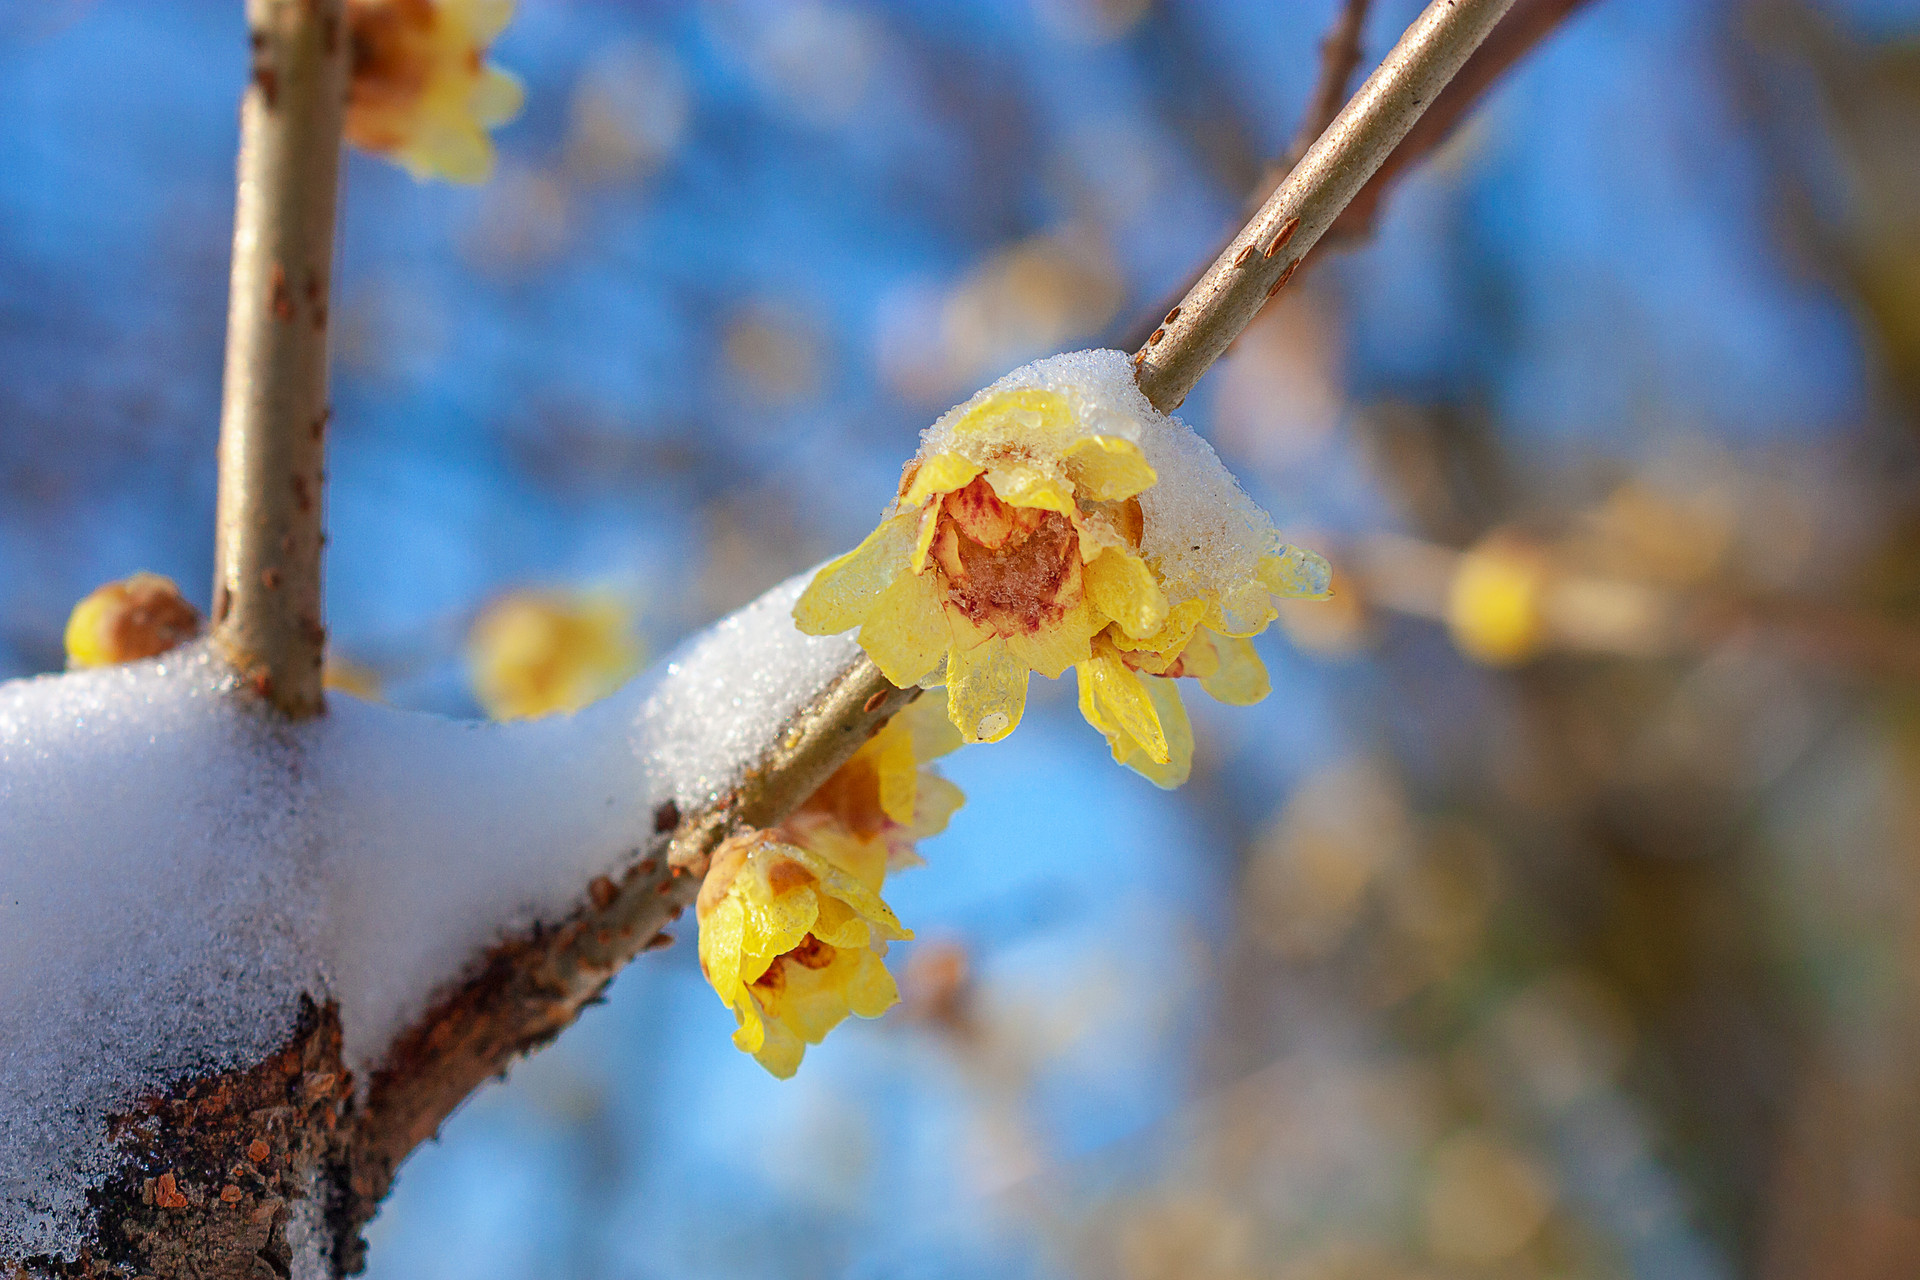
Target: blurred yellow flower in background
x,y
1495,602
776,937
534,653
1003,556
422,93
137,617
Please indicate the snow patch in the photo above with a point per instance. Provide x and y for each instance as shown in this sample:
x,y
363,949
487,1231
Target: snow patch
x,y
178,869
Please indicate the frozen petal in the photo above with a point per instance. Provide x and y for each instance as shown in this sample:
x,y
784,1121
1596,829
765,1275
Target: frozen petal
x,y
923,537
940,474
1120,585
1108,468
1173,718
1025,486
986,686
1239,678
843,592
1124,707
904,634
1296,573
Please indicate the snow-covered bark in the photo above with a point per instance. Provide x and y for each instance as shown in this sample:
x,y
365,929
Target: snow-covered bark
x,y
354,919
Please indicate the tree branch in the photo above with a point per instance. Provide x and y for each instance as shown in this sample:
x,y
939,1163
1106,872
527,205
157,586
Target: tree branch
x,y
1525,26
267,542
1260,259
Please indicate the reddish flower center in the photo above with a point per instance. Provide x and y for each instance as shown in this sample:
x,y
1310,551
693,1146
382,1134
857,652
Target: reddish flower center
x,y
1010,569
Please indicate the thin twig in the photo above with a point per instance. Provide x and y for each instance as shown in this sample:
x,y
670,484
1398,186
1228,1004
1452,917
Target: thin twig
x,y
1259,260
267,542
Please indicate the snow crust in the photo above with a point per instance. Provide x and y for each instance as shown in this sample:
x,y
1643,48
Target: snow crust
x,y
178,869
1202,534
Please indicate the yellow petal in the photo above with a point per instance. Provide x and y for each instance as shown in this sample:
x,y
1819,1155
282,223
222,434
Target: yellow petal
x,y
938,800
1059,645
1240,679
923,538
497,98
933,734
1123,706
1119,585
1295,573
1028,416
896,770
903,632
841,594
986,686
1173,719
1172,636
780,1052
1019,485
1108,468
871,990
940,474
486,19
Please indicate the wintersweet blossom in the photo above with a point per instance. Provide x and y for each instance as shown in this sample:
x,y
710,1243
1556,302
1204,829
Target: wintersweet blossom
x,y
1005,552
137,617
537,653
792,926
422,93
1058,520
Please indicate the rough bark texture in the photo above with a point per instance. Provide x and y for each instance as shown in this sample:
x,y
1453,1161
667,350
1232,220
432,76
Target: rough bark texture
x,y
228,1177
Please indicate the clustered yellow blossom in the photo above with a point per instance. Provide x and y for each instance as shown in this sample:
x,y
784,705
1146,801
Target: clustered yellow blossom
x,y
537,653
1022,544
422,93
792,926
138,617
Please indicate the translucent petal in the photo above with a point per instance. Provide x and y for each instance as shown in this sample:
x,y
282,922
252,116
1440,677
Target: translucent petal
x,y
896,774
1029,416
938,800
923,538
841,594
720,946
1293,572
780,1053
933,734
871,991
1240,678
986,687
1173,718
1119,585
1125,709
1172,637
1108,468
1025,486
904,634
940,474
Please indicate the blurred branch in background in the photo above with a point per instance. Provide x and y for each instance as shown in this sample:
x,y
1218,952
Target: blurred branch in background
x,y
1263,256
267,607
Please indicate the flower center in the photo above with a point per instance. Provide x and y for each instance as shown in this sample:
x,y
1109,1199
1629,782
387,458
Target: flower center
x,y
1011,569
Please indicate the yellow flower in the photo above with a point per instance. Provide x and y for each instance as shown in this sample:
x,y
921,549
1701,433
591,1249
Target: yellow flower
x,y
788,988
792,942
138,617
1494,603
1006,552
1057,520
1127,687
422,94
536,653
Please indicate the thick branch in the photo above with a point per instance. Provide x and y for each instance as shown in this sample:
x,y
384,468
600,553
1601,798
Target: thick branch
x,y
526,991
267,604
1260,259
